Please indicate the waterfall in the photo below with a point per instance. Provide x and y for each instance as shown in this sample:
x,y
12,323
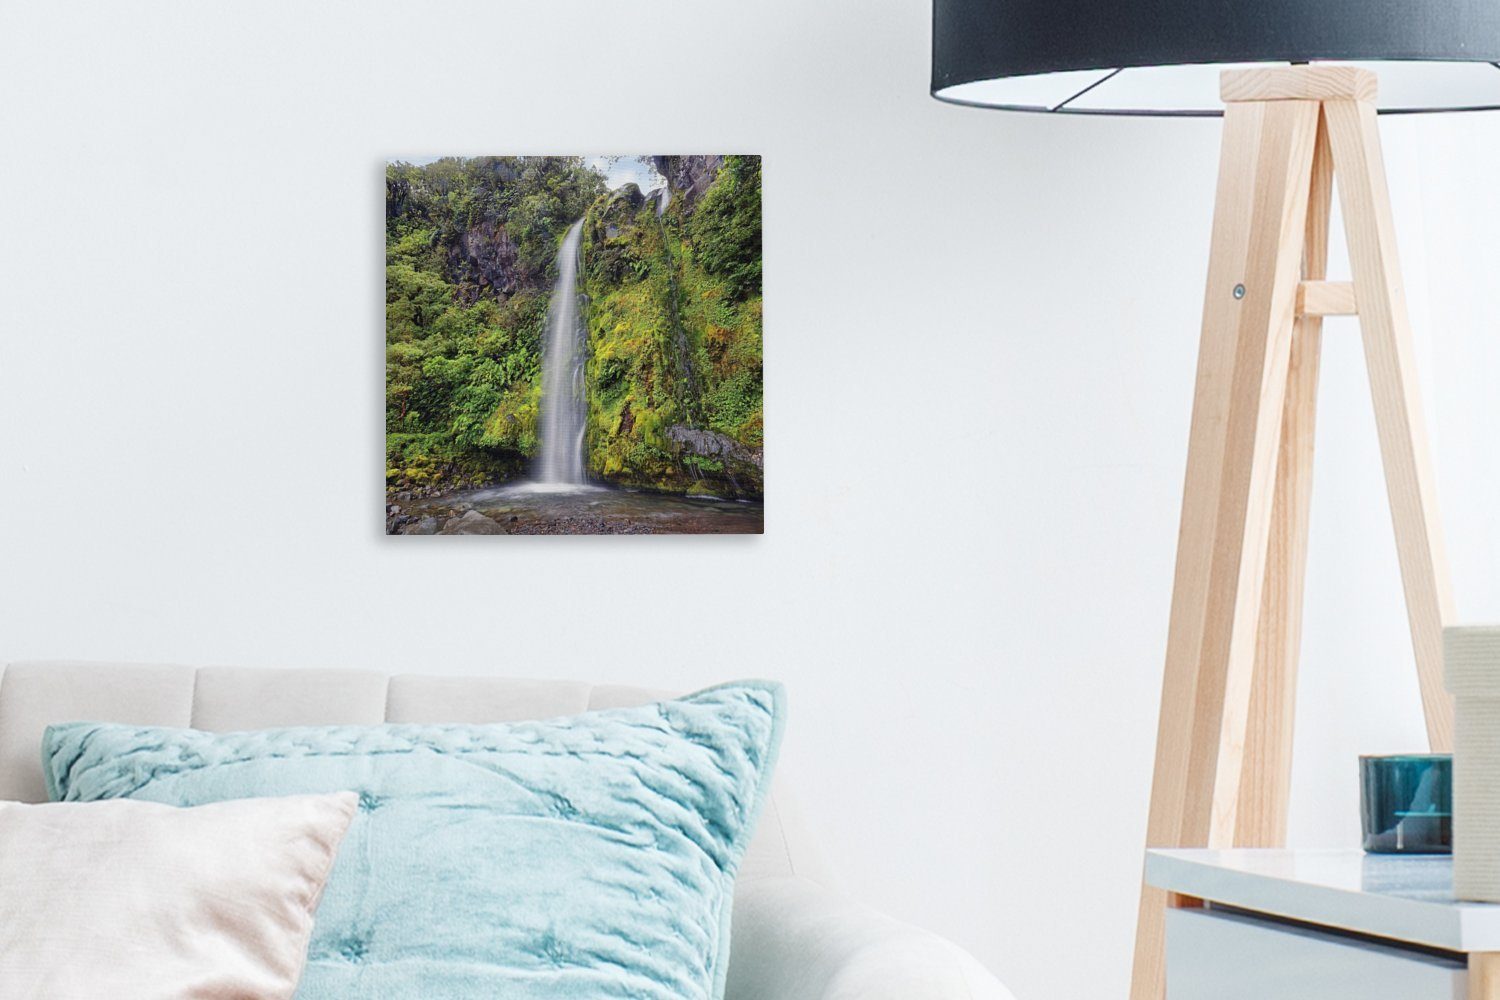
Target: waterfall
x,y
564,408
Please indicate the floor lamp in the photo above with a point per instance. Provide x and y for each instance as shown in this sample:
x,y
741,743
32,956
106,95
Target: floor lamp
x,y
1295,83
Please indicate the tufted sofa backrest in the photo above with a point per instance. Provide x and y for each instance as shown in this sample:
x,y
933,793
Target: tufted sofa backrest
x,y
226,699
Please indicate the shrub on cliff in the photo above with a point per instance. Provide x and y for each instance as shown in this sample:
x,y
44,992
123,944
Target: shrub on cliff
x,y
725,227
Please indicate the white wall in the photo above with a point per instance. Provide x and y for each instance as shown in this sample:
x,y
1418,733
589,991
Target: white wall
x,y
981,336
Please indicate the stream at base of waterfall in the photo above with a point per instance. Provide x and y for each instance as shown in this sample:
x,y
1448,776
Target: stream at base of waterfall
x,y
534,509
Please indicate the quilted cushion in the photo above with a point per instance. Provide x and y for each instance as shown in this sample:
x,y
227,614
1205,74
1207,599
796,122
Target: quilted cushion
x,y
587,857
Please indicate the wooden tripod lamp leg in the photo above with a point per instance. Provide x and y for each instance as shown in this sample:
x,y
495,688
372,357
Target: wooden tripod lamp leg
x,y
1398,408
1266,776
1236,600
1244,357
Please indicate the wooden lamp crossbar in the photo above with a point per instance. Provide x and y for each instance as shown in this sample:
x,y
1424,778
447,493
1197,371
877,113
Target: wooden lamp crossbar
x,y
1224,740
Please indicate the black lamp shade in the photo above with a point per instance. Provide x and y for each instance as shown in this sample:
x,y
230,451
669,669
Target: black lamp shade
x,y
1163,56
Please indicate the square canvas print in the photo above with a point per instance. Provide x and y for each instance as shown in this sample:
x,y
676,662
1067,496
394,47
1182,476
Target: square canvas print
x,y
573,345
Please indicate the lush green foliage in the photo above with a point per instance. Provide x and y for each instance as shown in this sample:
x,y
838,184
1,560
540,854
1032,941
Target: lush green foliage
x,y
488,224
673,307
725,228
675,337
470,249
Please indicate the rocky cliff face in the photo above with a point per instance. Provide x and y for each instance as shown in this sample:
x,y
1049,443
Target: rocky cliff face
x,y
688,177
482,263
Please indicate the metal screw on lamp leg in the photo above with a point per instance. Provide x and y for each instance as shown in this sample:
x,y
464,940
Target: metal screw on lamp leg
x,y
1239,291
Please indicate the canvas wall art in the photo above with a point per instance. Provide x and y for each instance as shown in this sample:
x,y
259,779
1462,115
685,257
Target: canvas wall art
x,y
573,345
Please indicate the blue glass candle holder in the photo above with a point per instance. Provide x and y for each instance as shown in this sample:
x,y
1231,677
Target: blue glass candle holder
x,y
1406,803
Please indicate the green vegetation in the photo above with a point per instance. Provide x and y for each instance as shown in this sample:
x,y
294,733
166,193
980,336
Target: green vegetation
x,y
674,323
673,307
470,253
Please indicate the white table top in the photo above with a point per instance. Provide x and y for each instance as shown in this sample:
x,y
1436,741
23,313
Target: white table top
x,y
1403,897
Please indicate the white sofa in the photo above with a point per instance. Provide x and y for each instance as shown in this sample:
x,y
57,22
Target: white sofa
x,y
792,938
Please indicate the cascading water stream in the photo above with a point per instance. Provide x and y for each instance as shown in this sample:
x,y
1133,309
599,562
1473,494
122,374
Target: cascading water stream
x,y
564,407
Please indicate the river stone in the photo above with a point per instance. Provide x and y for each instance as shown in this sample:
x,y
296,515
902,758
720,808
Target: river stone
x,y
472,523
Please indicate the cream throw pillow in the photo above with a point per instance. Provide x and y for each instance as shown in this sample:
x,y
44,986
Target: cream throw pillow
x,y
142,901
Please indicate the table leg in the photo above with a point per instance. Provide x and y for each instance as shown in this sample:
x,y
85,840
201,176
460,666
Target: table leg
x,y
1484,975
